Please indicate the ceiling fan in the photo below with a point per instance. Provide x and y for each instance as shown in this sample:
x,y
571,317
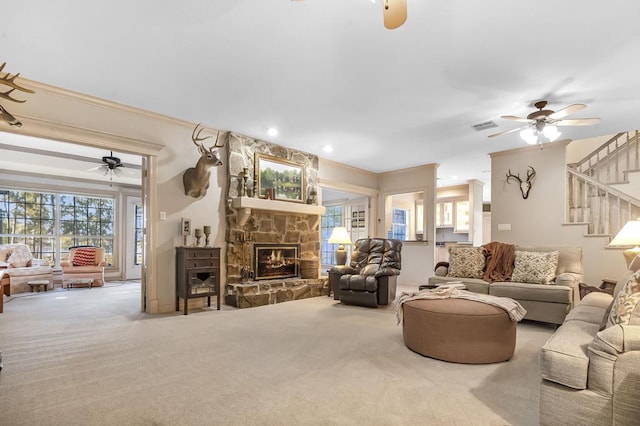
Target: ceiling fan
x,y
542,125
394,12
110,166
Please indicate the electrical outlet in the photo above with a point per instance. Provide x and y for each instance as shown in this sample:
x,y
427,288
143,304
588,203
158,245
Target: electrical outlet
x,y
163,215
504,227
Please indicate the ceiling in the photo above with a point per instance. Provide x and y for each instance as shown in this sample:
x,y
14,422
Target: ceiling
x,y
327,72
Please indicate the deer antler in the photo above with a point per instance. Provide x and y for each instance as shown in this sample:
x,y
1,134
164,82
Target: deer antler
x,y
195,137
530,174
8,80
511,175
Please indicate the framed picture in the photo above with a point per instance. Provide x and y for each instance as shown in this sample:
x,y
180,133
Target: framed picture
x,y
361,214
185,226
354,215
354,223
279,178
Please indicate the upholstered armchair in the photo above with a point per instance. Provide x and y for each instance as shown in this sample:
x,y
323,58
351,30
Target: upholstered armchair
x,y
370,279
84,262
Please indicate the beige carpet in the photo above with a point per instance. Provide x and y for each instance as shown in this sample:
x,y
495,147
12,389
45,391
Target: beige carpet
x,y
88,357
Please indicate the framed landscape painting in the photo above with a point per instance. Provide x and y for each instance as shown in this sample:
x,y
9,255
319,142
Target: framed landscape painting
x,y
286,178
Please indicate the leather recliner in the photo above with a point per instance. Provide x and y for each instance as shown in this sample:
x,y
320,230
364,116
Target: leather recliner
x,y
370,279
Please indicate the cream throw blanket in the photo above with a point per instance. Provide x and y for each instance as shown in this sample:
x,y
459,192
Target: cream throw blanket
x,y
514,309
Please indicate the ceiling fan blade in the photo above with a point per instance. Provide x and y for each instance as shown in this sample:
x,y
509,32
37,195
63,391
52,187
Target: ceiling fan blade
x,y
514,118
577,122
394,13
566,111
506,132
93,169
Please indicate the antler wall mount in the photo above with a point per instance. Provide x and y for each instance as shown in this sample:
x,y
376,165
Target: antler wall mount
x,y
525,186
7,79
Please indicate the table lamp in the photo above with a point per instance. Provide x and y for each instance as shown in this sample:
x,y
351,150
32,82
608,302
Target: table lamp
x,y
340,235
629,235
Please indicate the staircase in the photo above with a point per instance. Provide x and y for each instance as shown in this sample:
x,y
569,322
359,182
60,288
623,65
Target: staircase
x,y
592,200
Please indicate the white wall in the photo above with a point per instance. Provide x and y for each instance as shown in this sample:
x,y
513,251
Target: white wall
x,y
540,219
417,256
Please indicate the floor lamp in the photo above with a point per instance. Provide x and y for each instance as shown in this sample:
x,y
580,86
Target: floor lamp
x,y
340,235
629,235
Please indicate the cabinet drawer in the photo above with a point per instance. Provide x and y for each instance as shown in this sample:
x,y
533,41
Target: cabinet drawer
x,y
202,263
203,254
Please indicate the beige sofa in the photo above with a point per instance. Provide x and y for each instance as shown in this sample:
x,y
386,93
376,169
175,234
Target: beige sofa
x,y
18,266
591,377
543,302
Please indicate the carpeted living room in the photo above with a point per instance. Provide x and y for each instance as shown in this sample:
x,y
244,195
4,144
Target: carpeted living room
x,y
88,356
319,212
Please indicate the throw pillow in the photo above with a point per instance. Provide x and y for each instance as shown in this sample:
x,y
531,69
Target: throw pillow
x,y
535,267
466,262
626,305
605,319
84,257
4,254
20,257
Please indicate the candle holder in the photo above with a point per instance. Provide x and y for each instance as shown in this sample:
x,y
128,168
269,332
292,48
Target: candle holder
x,y
198,235
245,177
207,232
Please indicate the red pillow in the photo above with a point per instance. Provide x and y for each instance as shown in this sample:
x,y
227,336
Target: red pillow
x,y
84,257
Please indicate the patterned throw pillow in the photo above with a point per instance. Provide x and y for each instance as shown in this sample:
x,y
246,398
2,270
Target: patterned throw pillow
x,y
466,262
535,267
626,305
20,257
84,257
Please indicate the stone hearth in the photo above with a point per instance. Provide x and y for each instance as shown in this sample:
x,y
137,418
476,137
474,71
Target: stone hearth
x,y
269,292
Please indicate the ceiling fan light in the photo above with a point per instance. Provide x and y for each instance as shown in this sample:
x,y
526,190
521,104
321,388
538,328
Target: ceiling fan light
x,y
529,135
551,133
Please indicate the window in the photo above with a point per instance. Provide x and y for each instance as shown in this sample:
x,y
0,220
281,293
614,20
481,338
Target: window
x,y
332,218
137,246
31,218
28,218
399,224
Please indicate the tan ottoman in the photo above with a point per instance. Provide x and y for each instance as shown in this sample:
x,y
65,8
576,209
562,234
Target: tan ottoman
x,y
458,330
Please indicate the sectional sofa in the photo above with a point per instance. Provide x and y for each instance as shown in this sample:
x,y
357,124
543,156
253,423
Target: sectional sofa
x,y
590,367
547,285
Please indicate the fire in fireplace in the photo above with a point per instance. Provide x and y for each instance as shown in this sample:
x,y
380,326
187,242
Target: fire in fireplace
x,y
272,261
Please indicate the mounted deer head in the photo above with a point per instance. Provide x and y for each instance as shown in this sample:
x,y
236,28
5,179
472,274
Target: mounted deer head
x,y
196,179
525,186
9,80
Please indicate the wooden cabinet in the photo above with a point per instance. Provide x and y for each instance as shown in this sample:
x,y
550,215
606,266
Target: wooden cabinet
x,y
197,274
462,216
444,214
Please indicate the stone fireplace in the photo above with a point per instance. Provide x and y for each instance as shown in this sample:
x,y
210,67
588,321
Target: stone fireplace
x,y
267,240
271,261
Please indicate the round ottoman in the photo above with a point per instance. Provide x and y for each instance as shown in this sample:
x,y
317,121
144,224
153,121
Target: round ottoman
x,y
458,330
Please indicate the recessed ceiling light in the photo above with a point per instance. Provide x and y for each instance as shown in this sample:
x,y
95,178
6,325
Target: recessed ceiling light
x,y
272,131
328,149
454,177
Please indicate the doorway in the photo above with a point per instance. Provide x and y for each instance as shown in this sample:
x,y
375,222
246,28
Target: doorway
x,y
46,165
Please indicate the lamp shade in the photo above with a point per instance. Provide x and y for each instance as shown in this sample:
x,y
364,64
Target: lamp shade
x,y
629,235
339,235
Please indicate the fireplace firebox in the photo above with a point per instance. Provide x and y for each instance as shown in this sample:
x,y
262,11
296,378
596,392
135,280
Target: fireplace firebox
x,y
271,261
